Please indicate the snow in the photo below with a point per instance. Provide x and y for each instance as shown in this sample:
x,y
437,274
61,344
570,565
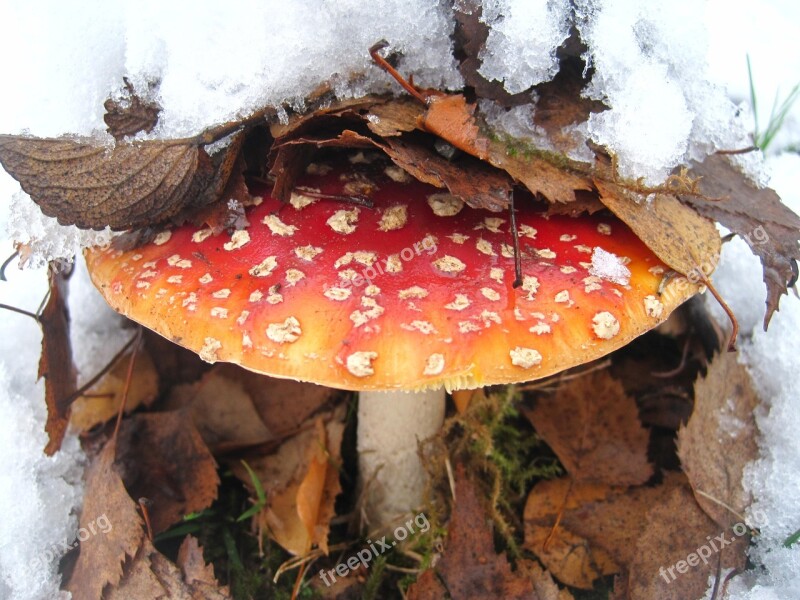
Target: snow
x,y
660,67
528,30
609,266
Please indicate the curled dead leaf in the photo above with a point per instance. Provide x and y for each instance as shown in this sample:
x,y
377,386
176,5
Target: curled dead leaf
x,y
129,114
55,363
80,182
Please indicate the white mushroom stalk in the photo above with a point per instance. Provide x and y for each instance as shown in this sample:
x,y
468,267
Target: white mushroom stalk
x,y
390,427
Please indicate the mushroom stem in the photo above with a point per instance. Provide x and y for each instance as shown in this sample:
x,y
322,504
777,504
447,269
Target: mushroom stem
x,y
389,426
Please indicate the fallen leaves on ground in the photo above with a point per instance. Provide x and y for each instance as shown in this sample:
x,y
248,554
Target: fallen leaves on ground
x,y
102,556
162,457
152,575
302,481
470,568
100,403
234,408
593,427
719,439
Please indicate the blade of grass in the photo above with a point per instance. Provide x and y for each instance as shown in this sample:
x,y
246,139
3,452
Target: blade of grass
x,y
260,495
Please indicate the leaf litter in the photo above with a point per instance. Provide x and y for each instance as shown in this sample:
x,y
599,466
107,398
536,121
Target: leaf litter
x,y
615,512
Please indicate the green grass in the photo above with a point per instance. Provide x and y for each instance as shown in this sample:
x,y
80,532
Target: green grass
x,y
780,109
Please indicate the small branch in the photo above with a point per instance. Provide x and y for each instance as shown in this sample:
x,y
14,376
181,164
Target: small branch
x,y
381,62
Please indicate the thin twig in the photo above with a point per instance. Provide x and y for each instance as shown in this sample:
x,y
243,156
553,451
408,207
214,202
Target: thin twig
x,y
128,380
143,504
739,151
679,368
726,308
5,265
88,385
381,62
359,200
515,239
20,311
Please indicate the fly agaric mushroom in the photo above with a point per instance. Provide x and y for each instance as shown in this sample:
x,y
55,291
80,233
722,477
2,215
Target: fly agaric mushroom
x,y
410,295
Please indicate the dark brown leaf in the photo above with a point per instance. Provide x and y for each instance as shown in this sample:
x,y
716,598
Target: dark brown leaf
x,y
131,185
152,575
103,554
594,429
55,364
163,458
475,182
768,226
470,568
130,114
719,439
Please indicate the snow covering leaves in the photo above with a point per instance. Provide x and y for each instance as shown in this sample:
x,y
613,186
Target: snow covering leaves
x,y
129,114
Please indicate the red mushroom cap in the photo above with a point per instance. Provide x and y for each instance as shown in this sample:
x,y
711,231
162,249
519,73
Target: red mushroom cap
x,y
415,292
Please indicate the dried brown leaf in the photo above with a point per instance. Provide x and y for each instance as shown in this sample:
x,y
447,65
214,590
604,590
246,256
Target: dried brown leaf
x,y
302,482
598,529
152,575
475,182
193,564
451,118
678,235
129,114
101,402
55,363
768,226
163,458
256,409
719,439
594,429
101,558
222,411
132,185
543,584
666,562
470,568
